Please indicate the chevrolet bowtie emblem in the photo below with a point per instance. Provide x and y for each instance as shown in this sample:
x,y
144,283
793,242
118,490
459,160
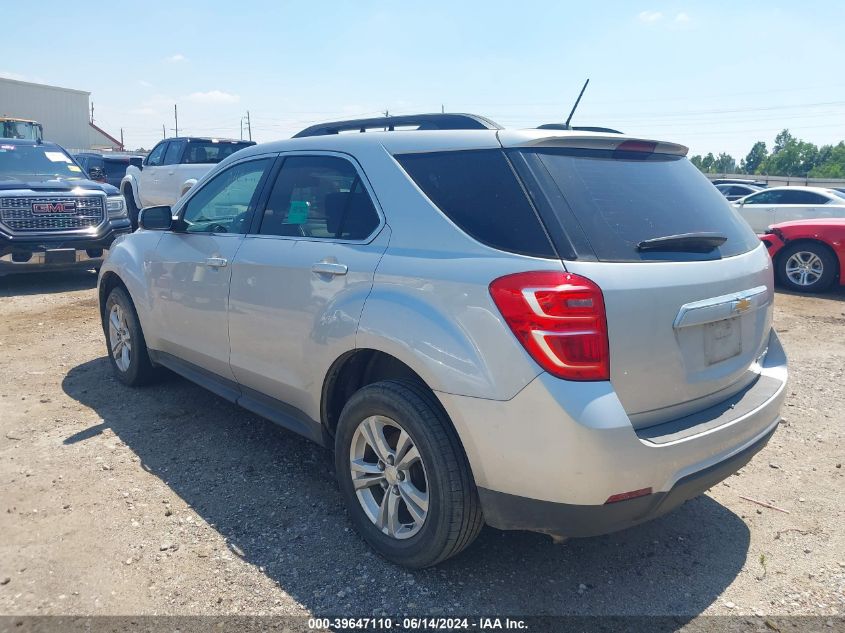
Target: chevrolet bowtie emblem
x,y
741,305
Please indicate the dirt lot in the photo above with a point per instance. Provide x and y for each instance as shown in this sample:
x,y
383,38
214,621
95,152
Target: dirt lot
x,y
168,500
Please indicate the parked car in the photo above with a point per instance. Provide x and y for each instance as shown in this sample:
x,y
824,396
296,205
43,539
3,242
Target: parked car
x,y
781,204
110,168
735,192
51,216
171,168
486,325
809,255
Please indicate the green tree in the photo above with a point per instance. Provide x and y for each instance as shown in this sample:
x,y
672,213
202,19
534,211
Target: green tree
x,y
833,165
790,156
707,163
724,164
755,157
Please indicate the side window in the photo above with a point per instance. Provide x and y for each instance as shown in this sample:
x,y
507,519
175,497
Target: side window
x,y
224,203
766,197
173,153
319,197
803,197
157,155
479,192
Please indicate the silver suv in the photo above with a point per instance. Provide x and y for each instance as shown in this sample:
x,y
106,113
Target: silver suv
x,y
568,332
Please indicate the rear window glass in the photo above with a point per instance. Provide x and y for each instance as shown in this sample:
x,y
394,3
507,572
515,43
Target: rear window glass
x,y
621,201
211,151
115,168
480,193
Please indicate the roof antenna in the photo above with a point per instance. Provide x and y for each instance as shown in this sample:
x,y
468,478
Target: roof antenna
x,y
577,101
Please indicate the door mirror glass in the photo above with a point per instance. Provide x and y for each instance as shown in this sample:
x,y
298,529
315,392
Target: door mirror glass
x,y
155,218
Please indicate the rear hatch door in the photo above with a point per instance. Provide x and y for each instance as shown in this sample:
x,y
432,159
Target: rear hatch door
x,y
686,283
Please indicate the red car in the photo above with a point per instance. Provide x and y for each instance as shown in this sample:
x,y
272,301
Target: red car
x,y
809,255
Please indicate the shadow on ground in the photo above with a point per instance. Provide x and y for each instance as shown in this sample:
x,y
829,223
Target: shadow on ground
x,y
273,495
47,283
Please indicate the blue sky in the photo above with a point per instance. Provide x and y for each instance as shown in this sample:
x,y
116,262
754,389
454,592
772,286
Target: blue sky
x,y
714,76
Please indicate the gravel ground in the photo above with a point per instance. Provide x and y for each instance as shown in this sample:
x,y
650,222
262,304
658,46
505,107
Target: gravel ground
x,y
168,500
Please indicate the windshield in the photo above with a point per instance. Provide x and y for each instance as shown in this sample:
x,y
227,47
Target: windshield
x,y
20,129
36,162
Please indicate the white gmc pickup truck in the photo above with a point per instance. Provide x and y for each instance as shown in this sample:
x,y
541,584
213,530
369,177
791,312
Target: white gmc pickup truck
x,y
171,168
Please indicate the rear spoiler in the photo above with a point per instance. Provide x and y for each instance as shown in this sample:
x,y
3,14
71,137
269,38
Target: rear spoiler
x,y
586,140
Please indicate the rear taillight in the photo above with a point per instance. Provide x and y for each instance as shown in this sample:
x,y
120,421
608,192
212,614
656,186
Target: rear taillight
x,y
560,320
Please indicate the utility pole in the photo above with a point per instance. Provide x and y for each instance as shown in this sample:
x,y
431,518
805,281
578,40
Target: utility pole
x,y
163,133
92,113
176,119
248,125
242,128
442,109
122,146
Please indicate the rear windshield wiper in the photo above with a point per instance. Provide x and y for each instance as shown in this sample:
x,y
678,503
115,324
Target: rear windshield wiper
x,y
684,243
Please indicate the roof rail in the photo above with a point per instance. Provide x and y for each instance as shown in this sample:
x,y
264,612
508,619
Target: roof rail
x,y
422,121
577,128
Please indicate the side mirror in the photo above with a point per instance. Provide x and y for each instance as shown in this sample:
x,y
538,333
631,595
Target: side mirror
x,y
138,161
155,218
97,174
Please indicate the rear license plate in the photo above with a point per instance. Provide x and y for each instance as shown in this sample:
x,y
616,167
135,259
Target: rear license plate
x,y
60,256
722,340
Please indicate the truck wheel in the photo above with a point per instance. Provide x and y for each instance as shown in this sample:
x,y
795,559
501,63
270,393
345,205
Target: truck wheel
x,y
131,207
404,476
807,267
125,340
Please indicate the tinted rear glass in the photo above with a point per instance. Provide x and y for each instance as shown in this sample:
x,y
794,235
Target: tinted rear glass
x,y
115,168
210,151
620,201
480,193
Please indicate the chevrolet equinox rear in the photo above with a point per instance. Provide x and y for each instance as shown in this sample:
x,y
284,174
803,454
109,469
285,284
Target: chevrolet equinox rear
x,y
568,332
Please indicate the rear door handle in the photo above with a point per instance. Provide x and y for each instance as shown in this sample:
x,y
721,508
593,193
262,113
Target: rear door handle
x,y
216,262
329,268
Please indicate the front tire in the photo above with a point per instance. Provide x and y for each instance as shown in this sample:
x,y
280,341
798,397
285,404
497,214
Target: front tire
x,y
404,476
807,267
131,207
125,341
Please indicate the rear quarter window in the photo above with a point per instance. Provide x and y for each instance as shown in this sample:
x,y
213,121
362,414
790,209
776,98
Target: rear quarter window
x,y
618,201
479,191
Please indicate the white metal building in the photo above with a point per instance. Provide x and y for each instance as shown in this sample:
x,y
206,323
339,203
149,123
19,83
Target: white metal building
x,y
62,111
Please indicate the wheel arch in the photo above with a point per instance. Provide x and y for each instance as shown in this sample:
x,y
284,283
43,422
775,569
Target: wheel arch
x,y
108,282
356,369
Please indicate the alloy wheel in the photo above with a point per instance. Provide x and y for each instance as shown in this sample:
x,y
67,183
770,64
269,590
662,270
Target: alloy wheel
x,y
804,268
389,477
120,339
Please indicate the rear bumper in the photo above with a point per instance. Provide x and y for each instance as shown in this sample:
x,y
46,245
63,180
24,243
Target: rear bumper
x,y
21,253
510,512
549,459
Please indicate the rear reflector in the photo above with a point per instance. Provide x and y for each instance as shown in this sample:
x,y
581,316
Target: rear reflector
x,y
560,320
624,496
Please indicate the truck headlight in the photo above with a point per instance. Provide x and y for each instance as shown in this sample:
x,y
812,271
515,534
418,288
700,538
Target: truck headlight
x,y
116,207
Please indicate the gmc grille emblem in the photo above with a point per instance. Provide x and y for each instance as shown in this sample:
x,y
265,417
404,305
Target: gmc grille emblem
x,y
53,207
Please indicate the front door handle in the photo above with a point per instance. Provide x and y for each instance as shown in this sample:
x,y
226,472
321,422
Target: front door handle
x,y
216,262
329,268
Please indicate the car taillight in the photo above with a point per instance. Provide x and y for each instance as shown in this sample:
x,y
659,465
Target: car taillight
x,y
560,320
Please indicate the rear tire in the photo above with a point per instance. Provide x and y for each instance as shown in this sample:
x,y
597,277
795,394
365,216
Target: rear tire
x,y
125,342
436,507
807,267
